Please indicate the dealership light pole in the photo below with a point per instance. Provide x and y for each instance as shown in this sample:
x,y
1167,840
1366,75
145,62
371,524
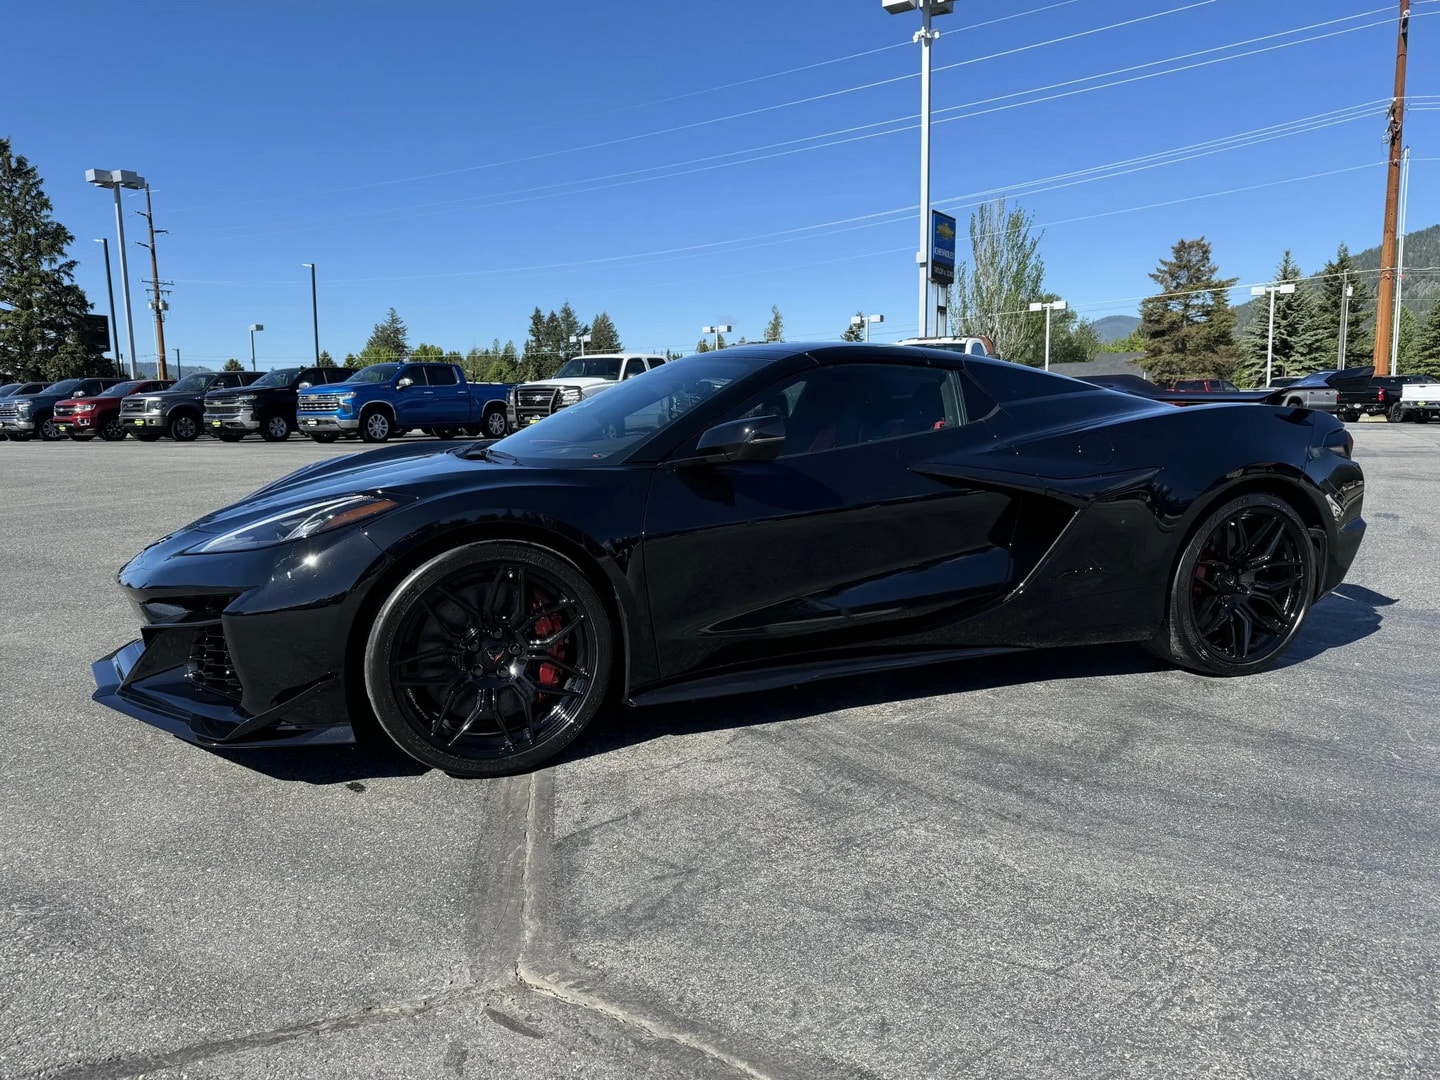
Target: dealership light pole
x,y
314,312
1283,288
115,179
110,288
924,36
717,330
582,340
1048,306
254,327
1346,292
866,320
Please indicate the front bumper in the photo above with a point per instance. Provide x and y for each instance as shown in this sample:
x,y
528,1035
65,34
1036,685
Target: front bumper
x,y
146,420
77,422
327,423
22,426
231,421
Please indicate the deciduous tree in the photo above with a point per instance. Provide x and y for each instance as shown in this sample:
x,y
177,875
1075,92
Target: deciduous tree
x,y
233,365
992,292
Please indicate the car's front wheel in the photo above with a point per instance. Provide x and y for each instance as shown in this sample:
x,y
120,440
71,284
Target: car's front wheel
x,y
113,430
1396,414
1241,589
494,422
489,659
375,426
275,429
183,428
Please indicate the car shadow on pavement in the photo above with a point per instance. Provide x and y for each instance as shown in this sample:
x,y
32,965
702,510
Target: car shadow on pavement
x,y
326,765
1347,615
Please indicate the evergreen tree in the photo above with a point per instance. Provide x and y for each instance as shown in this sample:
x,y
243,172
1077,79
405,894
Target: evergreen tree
x,y
389,342
326,360
233,365
543,352
1427,345
603,335
1189,325
992,293
703,345
352,361
775,328
1338,274
1407,351
42,310
855,331
568,326
1300,344
427,354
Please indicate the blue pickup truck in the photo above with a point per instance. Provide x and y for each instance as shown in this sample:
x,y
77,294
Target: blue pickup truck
x,y
383,400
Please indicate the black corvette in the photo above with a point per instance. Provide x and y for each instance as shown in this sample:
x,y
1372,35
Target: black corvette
x,y
754,517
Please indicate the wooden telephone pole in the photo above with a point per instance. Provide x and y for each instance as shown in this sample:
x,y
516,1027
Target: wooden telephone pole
x,y
1395,136
158,303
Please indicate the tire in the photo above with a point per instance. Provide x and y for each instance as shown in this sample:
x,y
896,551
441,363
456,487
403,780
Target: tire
x,y
376,426
183,428
275,428
493,424
113,430
489,659
324,436
1250,565
1294,403
1396,415
48,431
1350,416
147,436
229,436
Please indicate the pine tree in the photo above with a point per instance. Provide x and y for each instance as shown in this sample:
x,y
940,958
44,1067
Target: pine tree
x,y
389,342
352,361
1427,345
42,310
775,328
1300,343
991,294
233,365
1189,325
1407,351
326,360
703,345
855,331
1337,275
603,335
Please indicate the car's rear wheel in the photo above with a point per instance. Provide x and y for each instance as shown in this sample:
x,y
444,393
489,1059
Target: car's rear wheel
x,y
494,423
1396,414
489,659
275,429
375,426
183,428
113,430
1241,589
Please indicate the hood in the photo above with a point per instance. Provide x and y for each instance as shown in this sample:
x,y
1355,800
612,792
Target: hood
x,y
587,382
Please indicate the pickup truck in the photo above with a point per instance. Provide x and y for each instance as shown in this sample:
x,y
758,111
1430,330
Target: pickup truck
x,y
266,405
18,389
1303,392
384,400
176,412
24,416
979,345
84,418
1419,401
1379,398
581,377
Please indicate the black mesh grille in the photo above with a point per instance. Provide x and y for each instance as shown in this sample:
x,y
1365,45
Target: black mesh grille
x,y
210,664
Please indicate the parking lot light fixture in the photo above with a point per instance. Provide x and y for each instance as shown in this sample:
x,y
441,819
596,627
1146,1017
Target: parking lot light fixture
x,y
1282,287
580,339
865,321
115,179
717,330
1048,306
254,327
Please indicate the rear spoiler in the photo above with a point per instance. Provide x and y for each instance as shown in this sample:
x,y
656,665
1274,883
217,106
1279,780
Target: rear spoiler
x,y
1347,380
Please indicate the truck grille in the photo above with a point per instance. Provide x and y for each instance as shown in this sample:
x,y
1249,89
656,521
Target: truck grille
x,y
9,412
318,403
221,409
210,665
535,401
132,406
63,411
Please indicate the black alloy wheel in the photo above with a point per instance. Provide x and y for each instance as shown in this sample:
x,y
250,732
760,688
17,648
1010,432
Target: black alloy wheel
x,y
324,436
494,423
113,430
1396,415
49,431
489,659
375,426
275,429
184,428
1241,589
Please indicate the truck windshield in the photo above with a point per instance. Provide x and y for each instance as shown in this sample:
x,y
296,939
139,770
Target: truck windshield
x,y
193,384
279,377
586,367
375,373
63,387
120,389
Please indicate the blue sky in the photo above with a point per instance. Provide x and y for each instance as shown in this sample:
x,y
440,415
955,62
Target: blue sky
x,y
682,164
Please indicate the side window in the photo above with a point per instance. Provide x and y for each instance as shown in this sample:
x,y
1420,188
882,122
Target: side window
x,y
335,374
441,375
634,366
414,372
656,361
835,407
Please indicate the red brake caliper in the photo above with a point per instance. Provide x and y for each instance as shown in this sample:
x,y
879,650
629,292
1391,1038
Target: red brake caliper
x,y
549,674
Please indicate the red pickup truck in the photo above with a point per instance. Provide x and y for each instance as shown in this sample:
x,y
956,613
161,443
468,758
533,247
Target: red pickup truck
x,y
84,418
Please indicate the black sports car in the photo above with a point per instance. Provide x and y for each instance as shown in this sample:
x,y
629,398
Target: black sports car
x,y
754,517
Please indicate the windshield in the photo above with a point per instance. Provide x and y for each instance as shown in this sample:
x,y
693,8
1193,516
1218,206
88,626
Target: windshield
x,y
374,373
63,387
120,389
602,428
591,367
193,384
279,377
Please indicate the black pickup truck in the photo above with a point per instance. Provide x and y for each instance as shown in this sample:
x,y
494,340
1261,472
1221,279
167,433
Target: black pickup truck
x,y
1380,398
266,405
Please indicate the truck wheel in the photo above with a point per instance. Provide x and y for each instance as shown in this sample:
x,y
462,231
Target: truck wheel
x,y
275,429
183,428
1294,403
48,431
113,430
1396,415
324,436
493,425
375,426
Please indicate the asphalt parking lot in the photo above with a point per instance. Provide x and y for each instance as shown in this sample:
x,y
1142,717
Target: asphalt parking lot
x,y
1077,864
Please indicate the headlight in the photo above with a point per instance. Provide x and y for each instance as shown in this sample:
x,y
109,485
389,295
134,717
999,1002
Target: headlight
x,y
22,409
571,394
85,407
245,399
347,396
299,523
152,405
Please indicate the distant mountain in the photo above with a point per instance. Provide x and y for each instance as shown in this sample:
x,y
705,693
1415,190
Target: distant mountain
x,y
1114,327
147,370
1421,288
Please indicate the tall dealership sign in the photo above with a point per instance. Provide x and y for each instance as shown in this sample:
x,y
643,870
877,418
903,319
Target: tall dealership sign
x,y
942,249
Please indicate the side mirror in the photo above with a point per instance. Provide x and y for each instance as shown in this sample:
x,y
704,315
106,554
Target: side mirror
x,y
401,384
753,438
304,386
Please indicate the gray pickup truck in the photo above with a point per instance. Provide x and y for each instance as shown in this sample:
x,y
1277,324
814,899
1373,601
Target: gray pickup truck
x,y
1301,395
177,412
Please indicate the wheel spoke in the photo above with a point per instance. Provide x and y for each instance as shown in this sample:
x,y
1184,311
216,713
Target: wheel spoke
x,y
439,718
526,707
1265,622
546,658
459,602
559,635
484,698
429,654
1216,619
517,605
445,625
492,596
1243,631
542,613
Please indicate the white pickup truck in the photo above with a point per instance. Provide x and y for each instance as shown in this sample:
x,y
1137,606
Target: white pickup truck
x,y
1419,401
581,377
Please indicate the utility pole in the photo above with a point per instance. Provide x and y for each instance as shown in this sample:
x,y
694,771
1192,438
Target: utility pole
x,y
158,303
1395,136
